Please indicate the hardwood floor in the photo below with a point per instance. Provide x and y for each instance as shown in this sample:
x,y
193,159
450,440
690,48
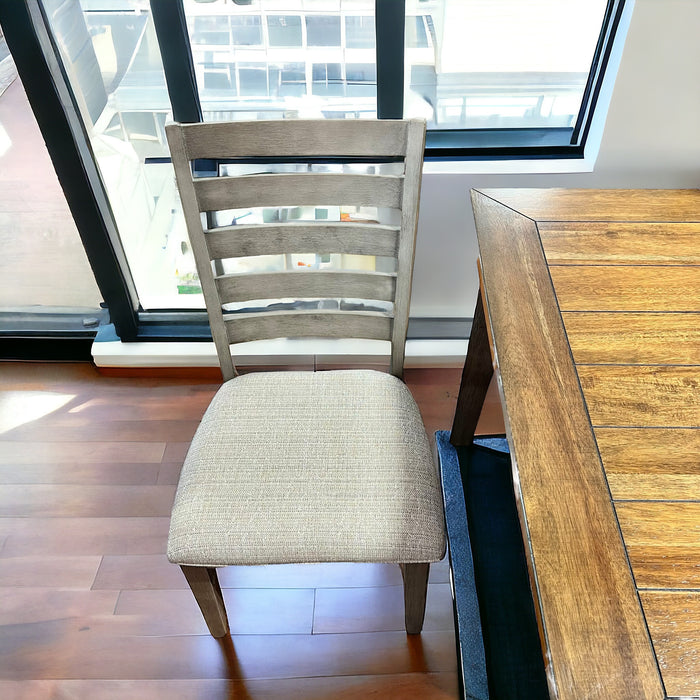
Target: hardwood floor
x,y
90,607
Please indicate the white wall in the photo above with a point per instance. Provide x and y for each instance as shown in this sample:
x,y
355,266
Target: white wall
x,y
651,140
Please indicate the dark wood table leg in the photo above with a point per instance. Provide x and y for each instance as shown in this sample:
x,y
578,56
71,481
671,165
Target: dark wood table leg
x,y
476,377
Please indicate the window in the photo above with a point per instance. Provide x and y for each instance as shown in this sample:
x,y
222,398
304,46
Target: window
x,y
500,78
416,35
116,78
284,30
253,79
246,30
219,77
496,78
317,65
361,79
211,30
287,79
359,32
327,79
323,30
35,236
500,65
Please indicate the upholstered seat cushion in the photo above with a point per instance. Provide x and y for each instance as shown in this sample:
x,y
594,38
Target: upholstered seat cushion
x,y
308,467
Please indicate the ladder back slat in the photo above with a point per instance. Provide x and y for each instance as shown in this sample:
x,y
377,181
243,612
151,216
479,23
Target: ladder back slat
x,y
288,138
371,141
298,189
302,237
290,324
307,284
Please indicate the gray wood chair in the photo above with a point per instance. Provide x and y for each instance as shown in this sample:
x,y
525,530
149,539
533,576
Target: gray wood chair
x,y
293,467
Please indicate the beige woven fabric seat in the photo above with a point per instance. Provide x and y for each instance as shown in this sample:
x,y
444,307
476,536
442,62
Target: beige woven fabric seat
x,y
291,467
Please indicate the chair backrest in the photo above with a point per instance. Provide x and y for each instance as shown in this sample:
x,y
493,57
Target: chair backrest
x,y
337,166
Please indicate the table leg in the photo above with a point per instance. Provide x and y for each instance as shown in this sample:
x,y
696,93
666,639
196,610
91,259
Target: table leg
x,y
476,377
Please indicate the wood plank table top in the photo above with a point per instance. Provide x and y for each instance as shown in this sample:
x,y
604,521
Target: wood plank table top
x,y
590,304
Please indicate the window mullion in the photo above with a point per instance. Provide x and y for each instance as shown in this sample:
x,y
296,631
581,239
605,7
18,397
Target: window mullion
x,y
599,65
390,22
176,54
595,63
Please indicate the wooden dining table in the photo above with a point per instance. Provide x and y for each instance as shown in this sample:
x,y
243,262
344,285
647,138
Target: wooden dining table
x,y
589,320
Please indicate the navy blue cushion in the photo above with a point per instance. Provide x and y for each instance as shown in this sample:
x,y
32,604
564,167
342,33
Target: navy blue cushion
x,y
470,645
512,655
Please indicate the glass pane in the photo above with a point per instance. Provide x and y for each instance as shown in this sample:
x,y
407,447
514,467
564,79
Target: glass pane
x,y
246,30
416,36
323,30
360,32
501,64
361,73
111,56
327,79
287,79
43,264
253,78
284,59
284,30
211,30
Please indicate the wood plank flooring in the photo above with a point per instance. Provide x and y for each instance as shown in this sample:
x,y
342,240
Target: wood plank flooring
x,y
90,607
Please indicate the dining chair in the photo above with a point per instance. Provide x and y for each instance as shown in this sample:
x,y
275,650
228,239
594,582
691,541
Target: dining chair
x,y
305,466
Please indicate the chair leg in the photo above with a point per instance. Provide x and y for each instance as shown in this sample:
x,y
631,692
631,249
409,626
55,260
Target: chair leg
x,y
415,590
205,585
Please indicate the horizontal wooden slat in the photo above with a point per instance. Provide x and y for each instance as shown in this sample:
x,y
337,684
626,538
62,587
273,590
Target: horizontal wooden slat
x,y
299,189
289,138
621,288
633,338
651,463
674,623
289,324
641,395
663,542
307,284
556,204
303,237
620,243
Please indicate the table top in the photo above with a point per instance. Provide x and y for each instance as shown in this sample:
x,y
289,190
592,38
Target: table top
x,y
593,301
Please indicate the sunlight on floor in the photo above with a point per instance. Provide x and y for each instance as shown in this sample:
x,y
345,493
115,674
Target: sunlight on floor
x,y
20,407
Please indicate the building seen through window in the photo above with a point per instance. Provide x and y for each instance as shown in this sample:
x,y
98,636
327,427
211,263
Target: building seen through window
x,y
468,66
468,63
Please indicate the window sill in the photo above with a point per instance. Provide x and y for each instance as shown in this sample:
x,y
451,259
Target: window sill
x,y
508,167
284,351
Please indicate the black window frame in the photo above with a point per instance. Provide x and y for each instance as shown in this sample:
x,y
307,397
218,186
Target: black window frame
x,y
46,85
441,144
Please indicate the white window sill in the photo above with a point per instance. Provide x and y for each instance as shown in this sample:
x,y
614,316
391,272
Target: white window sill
x,y
509,167
281,351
